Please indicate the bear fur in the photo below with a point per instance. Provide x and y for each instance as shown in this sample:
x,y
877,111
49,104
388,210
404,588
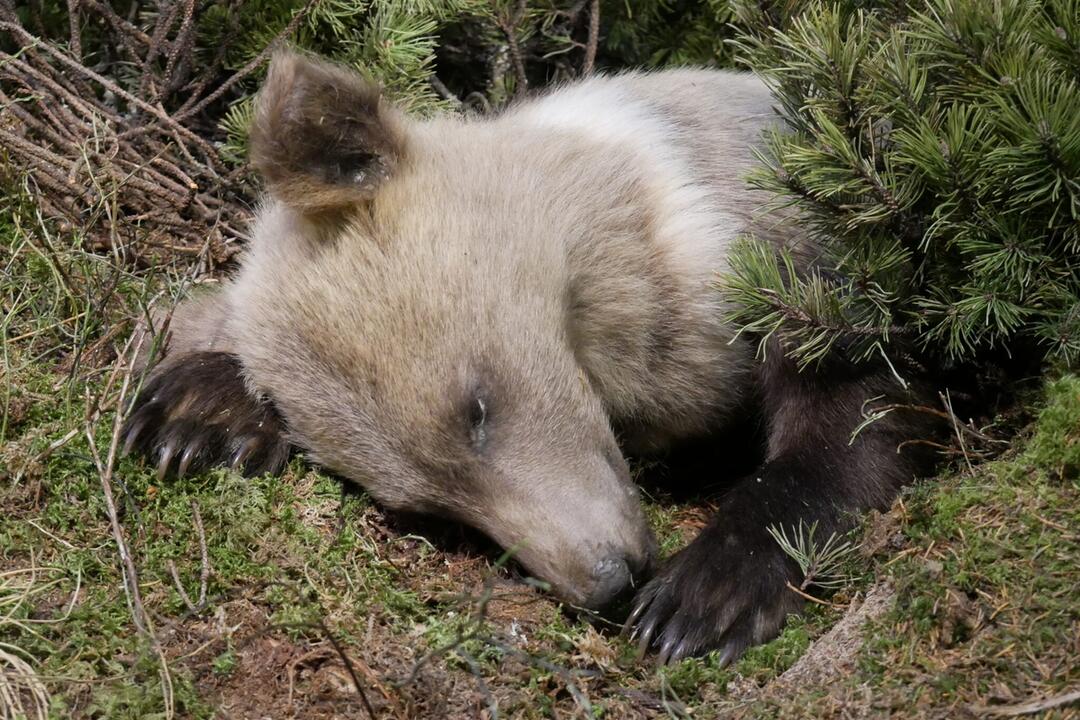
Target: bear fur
x,y
477,318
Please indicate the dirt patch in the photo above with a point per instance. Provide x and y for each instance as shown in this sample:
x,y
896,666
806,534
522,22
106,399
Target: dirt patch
x,y
883,533
248,668
278,677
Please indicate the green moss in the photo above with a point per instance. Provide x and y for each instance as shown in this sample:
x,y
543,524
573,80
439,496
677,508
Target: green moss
x,y
1055,448
661,519
686,679
764,662
224,663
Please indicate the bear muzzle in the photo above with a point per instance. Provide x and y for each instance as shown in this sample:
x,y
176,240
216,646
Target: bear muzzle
x,y
616,577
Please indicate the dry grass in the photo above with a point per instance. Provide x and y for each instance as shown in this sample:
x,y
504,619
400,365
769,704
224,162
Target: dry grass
x,y
23,693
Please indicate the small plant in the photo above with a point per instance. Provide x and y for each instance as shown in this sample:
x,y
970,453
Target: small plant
x,y
821,563
224,663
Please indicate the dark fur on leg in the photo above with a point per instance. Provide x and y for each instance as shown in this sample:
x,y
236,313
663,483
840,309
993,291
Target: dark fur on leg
x,y
728,589
196,412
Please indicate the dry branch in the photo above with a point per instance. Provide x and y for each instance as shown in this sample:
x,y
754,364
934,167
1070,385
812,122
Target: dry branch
x,y
125,160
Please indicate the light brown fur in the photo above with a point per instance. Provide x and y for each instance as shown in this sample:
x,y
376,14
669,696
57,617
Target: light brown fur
x,y
556,267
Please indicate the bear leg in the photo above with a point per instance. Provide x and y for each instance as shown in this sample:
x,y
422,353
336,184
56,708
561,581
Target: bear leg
x,y
731,587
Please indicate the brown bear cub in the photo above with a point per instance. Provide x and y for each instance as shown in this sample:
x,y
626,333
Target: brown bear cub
x,y
476,317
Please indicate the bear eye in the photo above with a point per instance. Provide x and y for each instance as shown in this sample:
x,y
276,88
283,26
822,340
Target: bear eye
x,y
478,421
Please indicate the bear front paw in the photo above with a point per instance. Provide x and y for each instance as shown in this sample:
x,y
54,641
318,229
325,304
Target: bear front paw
x,y
195,412
722,592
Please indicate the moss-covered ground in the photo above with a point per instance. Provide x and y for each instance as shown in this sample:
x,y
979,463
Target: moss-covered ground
x,y
296,597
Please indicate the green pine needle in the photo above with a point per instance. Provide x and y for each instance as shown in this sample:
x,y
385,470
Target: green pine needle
x,y
822,563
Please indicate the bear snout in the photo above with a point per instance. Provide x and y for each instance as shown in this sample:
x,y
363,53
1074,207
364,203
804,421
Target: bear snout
x,y
611,578
618,576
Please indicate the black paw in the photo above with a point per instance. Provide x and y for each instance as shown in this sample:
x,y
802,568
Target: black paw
x,y
195,412
725,591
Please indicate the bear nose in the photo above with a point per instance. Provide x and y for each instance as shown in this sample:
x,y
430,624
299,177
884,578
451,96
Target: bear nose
x,y
611,576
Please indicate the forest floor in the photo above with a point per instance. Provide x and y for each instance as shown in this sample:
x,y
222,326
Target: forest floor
x,y
217,596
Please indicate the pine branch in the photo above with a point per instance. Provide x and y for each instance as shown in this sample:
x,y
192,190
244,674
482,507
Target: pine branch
x,y
935,156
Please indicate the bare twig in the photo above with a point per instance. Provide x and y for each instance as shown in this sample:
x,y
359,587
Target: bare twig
x,y
444,92
1030,707
204,555
80,69
509,26
105,468
252,65
946,400
594,38
191,606
73,28
350,668
157,39
129,30
983,447
204,568
114,162
181,47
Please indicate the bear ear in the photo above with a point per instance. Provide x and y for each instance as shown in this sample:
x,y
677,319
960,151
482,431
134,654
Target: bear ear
x,y
323,137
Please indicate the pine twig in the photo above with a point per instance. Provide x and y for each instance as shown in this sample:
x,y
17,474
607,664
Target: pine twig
x,y
509,25
807,596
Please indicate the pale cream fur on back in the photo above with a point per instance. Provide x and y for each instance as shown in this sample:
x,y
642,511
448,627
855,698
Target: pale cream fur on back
x,y
690,134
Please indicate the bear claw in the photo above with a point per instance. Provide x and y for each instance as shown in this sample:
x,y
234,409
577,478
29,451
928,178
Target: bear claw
x,y
196,412
722,592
